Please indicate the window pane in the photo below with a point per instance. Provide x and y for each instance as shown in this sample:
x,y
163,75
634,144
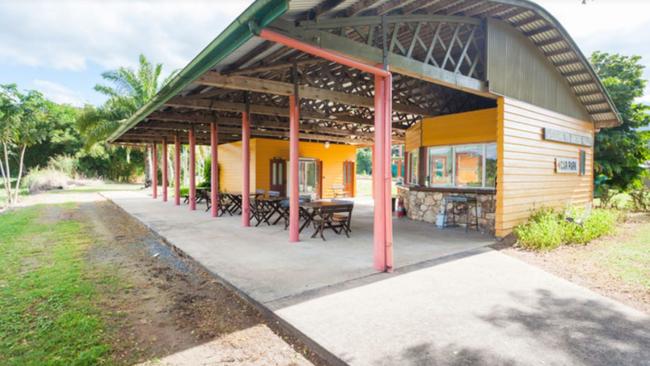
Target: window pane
x,y
491,165
440,166
469,169
413,169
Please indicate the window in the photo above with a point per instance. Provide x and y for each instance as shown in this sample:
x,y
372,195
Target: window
x,y
462,166
440,166
413,166
469,166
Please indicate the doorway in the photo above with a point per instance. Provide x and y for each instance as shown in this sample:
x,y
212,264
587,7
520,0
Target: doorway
x,y
279,176
310,177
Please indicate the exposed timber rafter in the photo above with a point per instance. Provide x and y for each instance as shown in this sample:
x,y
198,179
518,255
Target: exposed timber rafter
x,y
183,121
179,102
286,89
400,64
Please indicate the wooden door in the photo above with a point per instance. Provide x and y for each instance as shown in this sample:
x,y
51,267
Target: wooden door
x,y
319,180
348,178
278,179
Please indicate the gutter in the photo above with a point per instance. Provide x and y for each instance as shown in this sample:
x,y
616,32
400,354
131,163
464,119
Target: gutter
x,y
262,12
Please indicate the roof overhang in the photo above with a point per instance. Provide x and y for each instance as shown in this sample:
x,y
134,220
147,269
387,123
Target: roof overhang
x,y
236,51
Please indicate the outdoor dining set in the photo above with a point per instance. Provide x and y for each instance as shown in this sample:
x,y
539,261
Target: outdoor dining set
x,y
271,208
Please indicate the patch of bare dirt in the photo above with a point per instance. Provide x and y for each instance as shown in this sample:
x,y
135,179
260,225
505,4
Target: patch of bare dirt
x,y
579,264
164,307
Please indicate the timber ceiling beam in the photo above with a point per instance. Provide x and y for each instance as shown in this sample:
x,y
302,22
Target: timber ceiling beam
x,y
179,102
226,131
183,123
399,64
246,83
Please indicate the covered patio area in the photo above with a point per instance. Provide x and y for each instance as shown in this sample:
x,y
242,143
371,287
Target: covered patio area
x,y
259,262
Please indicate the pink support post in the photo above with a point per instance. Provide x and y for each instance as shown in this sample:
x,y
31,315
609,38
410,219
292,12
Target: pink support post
x,y
388,176
192,138
154,167
294,208
246,170
379,227
165,170
214,178
381,154
177,170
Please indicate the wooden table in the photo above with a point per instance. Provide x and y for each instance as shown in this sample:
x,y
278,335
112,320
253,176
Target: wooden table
x,y
311,209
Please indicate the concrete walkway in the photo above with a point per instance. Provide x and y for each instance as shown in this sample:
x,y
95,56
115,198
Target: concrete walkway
x,y
476,307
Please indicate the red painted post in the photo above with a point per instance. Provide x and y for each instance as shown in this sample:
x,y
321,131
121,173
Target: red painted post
x,y
154,167
246,170
214,178
379,227
177,169
192,138
294,204
165,170
330,55
381,154
388,176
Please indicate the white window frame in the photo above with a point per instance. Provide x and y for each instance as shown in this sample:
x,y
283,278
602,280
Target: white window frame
x,y
453,184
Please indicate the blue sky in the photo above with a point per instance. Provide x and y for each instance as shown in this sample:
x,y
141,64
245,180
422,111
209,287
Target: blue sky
x,y
61,47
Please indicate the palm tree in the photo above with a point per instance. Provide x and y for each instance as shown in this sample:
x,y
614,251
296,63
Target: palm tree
x,y
127,91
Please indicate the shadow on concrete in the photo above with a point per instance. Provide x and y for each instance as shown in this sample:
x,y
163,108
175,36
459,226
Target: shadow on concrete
x,y
427,354
589,332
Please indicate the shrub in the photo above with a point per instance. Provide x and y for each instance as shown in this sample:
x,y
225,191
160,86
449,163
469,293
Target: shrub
x,y
547,229
543,231
39,180
64,163
641,199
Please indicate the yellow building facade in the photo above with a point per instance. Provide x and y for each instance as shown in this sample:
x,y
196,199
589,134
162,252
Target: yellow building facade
x,y
326,170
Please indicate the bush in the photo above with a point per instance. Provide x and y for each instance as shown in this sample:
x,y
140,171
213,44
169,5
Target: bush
x,y
64,163
547,229
641,199
39,180
542,231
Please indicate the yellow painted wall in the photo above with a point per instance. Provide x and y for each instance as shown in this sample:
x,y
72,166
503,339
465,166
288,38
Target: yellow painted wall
x,y
460,128
230,167
263,150
413,138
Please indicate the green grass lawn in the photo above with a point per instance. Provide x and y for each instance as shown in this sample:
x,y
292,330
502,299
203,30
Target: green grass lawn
x,y
48,316
630,259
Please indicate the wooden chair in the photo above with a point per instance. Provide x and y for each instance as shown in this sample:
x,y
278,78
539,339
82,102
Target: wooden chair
x,y
338,218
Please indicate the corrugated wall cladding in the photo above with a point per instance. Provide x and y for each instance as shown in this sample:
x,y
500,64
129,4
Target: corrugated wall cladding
x,y
526,163
517,69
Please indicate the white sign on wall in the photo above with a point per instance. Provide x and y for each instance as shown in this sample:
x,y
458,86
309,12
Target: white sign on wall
x,y
567,137
566,166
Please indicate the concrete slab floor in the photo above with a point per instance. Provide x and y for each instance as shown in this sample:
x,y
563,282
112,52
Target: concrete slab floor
x,y
451,301
261,262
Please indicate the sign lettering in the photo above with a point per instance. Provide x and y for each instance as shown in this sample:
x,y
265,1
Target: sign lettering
x,y
566,166
567,137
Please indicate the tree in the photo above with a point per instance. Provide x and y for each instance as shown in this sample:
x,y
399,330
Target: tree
x,y
621,150
22,124
127,91
364,160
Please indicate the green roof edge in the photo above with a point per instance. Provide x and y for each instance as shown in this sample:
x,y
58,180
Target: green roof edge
x,y
262,12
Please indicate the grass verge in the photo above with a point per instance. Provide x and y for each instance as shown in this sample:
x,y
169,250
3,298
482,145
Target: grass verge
x,y
630,260
48,316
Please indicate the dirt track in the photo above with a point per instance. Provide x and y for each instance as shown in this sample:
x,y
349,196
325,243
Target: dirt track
x,y
168,309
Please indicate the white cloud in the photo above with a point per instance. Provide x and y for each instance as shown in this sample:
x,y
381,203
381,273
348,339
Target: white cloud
x,y
59,93
67,35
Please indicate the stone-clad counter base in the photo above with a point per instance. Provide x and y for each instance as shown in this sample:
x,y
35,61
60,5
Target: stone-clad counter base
x,y
424,204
